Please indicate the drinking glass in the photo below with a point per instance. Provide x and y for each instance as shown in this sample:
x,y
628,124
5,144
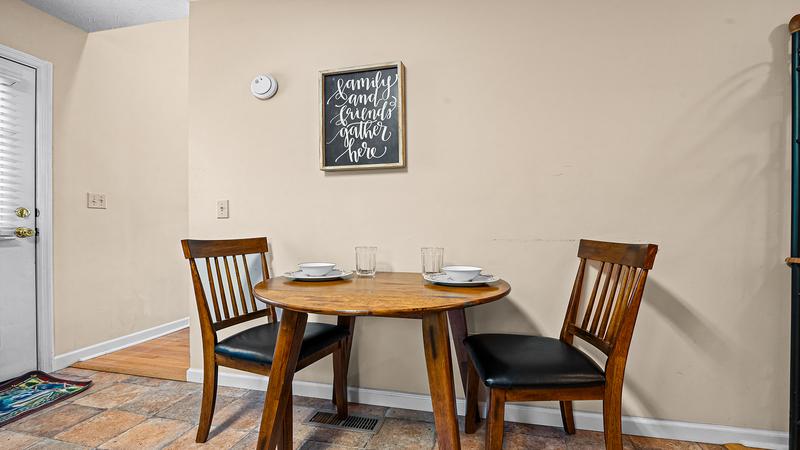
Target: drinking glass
x,y
365,261
432,258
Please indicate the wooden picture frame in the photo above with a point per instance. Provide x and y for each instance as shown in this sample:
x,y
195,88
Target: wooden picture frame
x,y
376,92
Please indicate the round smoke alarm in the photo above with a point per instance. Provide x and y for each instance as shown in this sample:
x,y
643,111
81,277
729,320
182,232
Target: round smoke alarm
x,y
264,86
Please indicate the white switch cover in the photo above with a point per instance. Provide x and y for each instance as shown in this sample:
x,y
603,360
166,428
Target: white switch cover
x,y
222,209
95,201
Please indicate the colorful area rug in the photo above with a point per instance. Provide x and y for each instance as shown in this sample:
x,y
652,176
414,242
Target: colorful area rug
x,y
33,391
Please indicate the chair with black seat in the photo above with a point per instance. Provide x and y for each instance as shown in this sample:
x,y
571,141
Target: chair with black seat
x,y
252,349
536,368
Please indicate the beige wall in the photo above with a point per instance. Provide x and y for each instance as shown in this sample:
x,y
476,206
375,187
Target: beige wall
x,y
637,121
632,121
127,137
121,129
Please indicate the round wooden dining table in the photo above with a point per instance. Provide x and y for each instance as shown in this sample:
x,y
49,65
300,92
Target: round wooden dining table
x,y
387,294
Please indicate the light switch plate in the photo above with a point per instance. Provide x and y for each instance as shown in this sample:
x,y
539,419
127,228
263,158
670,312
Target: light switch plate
x,y
95,200
222,209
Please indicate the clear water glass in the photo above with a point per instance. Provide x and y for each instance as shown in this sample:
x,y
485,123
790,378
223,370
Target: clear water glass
x,y
432,258
365,261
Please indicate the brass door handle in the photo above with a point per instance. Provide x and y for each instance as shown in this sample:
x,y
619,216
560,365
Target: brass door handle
x,y
22,232
22,212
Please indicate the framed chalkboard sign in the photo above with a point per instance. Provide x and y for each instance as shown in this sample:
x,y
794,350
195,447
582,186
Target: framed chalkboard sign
x,y
362,117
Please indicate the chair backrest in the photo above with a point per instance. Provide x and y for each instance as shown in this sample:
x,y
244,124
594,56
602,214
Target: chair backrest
x,y
606,317
226,308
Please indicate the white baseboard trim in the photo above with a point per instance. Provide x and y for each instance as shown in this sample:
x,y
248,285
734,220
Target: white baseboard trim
x,y
641,426
93,351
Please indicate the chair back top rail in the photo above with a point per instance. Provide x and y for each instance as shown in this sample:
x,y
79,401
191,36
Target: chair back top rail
x,y
228,280
193,248
606,316
637,255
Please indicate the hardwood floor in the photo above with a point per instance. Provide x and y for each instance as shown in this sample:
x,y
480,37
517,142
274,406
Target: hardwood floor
x,y
166,357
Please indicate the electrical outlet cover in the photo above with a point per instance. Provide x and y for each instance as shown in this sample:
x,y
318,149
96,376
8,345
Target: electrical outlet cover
x,y
95,200
222,209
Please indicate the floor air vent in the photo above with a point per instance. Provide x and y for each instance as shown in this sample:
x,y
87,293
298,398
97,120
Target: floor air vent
x,y
352,423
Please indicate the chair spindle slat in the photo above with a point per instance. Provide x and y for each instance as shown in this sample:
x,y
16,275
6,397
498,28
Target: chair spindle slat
x,y
622,306
622,295
249,283
239,283
619,287
590,305
265,275
234,304
225,310
604,299
605,287
572,308
264,268
210,275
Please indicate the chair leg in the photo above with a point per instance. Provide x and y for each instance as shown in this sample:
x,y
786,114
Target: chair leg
x,y
209,399
495,419
612,418
340,380
567,418
472,418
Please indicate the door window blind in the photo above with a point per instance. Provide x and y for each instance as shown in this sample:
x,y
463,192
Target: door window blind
x,y
11,121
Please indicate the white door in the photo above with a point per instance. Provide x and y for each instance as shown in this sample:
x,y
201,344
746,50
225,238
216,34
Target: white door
x,y
17,196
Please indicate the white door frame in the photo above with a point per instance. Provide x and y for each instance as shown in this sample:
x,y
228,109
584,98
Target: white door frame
x,y
44,202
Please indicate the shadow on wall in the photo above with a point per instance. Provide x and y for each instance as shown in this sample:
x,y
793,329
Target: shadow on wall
x,y
503,315
775,92
684,320
753,100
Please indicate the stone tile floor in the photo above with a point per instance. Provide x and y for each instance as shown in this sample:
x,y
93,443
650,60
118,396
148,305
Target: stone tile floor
x,y
130,412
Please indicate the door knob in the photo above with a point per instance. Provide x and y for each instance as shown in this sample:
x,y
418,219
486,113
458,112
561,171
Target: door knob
x,y
22,212
22,232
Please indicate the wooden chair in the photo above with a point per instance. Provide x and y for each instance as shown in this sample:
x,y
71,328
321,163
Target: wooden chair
x,y
252,349
536,368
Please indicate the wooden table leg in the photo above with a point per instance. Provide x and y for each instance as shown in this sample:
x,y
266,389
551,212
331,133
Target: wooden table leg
x,y
286,441
440,378
284,362
458,328
340,368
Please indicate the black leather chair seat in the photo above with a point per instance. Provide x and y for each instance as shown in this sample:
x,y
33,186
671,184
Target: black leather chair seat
x,y
516,361
257,344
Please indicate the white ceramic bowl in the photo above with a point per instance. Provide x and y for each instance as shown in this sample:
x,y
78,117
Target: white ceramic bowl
x,y
462,273
316,269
